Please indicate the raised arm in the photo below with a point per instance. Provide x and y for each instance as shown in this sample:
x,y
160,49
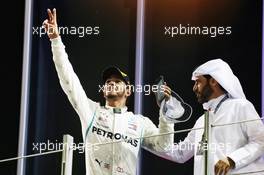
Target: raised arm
x,y
67,77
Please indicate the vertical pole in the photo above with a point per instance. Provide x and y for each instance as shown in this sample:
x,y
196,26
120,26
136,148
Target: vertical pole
x,y
139,54
22,142
139,65
206,146
66,163
262,92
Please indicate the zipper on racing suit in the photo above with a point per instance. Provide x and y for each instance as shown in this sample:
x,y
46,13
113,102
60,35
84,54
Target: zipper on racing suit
x,y
118,111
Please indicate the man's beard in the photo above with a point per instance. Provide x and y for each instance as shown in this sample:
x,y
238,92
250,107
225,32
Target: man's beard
x,y
204,95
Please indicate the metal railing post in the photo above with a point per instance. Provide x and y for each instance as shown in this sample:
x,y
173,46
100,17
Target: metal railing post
x,y
66,163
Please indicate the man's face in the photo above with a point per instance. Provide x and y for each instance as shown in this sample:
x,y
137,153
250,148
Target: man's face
x,y
114,88
202,89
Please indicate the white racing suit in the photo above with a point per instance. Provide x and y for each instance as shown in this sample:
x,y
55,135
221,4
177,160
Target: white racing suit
x,y
103,125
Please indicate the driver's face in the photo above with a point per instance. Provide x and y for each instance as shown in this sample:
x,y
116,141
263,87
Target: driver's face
x,y
114,87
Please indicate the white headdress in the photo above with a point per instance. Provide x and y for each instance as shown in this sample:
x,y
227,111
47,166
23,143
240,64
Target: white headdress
x,y
223,74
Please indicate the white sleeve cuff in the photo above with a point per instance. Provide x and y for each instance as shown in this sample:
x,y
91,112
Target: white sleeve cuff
x,y
238,156
56,41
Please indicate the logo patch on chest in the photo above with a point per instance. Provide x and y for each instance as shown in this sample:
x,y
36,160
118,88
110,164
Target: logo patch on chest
x,y
132,124
102,120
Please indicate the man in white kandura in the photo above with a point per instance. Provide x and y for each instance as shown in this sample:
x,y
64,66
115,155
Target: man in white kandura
x,y
112,122
234,148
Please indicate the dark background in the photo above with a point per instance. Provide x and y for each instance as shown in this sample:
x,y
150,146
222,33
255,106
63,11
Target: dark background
x,y
51,115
